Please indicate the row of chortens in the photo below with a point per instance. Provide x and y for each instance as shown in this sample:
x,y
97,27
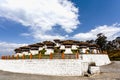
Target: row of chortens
x,y
66,46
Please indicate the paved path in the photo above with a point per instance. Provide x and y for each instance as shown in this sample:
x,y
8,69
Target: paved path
x,y
113,67
109,72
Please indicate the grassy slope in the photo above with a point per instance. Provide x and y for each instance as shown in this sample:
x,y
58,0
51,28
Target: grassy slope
x,y
114,55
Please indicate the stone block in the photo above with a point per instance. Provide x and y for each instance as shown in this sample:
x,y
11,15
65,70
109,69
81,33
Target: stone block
x,y
94,69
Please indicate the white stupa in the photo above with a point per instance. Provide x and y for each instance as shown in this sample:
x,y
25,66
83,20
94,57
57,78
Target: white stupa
x,y
49,47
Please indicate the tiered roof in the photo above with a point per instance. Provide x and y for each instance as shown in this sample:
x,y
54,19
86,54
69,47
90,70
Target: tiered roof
x,y
93,46
18,50
21,49
49,43
67,42
57,40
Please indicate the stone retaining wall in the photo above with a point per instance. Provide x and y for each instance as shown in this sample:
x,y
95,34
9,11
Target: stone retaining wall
x,y
59,67
98,59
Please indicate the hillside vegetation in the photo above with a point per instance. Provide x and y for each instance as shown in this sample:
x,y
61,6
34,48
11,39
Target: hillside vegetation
x,y
114,55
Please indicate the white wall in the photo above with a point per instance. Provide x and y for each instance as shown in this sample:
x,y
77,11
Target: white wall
x,y
94,69
62,47
34,52
68,51
74,47
99,59
20,54
26,53
48,51
83,50
94,51
59,67
40,48
57,45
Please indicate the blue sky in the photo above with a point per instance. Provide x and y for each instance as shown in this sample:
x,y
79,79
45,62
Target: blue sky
x,y
23,22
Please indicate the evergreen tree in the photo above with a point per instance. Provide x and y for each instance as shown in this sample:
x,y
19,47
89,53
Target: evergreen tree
x,y
101,41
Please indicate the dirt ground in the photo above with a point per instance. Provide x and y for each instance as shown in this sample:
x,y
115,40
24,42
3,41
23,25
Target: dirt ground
x,y
108,72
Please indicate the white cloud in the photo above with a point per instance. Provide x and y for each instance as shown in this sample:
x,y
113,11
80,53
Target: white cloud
x,y
110,31
41,15
48,37
8,48
25,34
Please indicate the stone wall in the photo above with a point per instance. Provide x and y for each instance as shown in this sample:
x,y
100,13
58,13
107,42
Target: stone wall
x,y
98,59
59,67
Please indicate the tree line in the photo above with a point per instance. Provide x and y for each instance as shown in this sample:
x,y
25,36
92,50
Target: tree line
x,y
111,47
104,44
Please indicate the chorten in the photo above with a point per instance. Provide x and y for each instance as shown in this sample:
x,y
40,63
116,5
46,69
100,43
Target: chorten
x,y
94,48
67,46
83,47
35,48
49,47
